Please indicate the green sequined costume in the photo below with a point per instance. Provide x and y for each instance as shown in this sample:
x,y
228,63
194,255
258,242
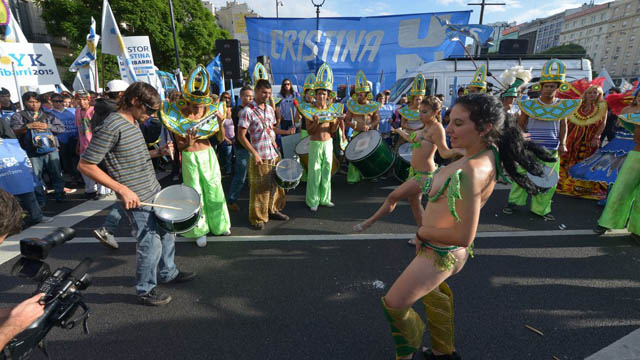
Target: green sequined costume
x,y
623,202
200,170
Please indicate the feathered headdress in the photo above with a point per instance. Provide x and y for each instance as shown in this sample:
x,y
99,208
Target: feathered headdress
x,y
515,79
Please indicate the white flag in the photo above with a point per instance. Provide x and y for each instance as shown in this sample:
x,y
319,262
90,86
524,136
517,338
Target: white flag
x,y
608,82
13,32
112,42
88,54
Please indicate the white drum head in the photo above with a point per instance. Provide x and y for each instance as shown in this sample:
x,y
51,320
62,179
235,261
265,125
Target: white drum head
x,y
362,145
548,179
289,170
404,152
303,147
180,196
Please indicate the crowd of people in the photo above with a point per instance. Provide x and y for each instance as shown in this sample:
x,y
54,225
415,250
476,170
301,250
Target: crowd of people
x,y
538,142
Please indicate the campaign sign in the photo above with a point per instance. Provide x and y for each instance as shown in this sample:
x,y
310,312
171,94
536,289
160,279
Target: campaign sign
x,y
34,65
391,45
141,57
16,173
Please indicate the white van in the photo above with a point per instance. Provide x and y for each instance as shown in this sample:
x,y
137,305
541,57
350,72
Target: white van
x,y
446,76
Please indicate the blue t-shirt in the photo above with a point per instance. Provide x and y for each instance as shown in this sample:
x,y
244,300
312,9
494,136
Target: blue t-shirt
x,y
386,113
68,118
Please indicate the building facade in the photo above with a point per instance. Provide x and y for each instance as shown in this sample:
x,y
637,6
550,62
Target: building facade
x,y
621,55
588,28
498,28
548,34
529,31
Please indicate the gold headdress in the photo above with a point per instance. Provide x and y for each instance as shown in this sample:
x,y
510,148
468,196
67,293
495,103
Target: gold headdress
x,y
418,87
553,70
198,81
324,80
480,78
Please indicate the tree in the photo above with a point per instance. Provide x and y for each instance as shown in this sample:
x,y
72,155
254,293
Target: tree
x,y
568,49
196,28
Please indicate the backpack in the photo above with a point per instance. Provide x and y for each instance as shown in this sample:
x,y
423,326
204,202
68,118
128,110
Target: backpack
x,y
41,141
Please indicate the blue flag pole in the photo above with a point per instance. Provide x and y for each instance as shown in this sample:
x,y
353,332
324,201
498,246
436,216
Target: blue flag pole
x,y
233,97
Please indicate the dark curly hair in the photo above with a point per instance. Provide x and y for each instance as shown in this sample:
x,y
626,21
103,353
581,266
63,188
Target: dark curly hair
x,y
487,110
10,214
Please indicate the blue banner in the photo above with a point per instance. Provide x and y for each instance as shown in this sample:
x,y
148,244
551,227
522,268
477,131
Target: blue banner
x,y
16,173
389,45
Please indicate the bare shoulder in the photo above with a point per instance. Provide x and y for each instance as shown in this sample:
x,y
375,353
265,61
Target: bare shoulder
x,y
481,167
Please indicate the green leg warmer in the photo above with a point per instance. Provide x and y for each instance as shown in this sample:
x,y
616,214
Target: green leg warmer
x,y
200,170
438,305
353,174
319,176
620,204
541,203
406,328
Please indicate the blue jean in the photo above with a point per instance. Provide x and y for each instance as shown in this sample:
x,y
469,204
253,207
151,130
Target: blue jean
x,y
51,163
226,156
29,203
239,173
154,252
113,219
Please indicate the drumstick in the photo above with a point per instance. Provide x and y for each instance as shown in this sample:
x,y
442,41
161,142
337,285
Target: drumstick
x,y
279,166
161,206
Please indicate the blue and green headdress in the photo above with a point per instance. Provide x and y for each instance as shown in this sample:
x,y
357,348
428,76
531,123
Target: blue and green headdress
x,y
480,78
362,85
324,80
419,86
198,81
259,73
553,70
309,82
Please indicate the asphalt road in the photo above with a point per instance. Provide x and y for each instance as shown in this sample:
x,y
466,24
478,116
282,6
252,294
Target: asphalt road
x,y
320,299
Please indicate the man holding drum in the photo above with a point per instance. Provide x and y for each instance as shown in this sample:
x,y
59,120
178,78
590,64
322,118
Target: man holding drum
x,y
258,119
324,122
362,115
119,142
200,168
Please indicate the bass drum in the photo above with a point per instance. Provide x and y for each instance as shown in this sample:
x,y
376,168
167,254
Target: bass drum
x,y
302,149
403,162
180,196
288,174
370,154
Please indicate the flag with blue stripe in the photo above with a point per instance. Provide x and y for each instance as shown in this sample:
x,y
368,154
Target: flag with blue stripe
x,y
13,32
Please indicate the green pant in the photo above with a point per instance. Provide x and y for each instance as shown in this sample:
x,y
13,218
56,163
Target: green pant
x,y
353,174
319,173
541,203
200,170
623,202
303,134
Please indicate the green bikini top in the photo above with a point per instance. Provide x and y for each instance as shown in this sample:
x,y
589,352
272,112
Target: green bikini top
x,y
453,183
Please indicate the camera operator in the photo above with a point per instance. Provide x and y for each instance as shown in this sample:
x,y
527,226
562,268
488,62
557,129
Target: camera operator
x,y
13,321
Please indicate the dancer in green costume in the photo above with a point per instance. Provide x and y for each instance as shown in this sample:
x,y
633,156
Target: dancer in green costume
x,y
362,115
423,148
449,223
545,121
200,169
623,203
325,119
410,114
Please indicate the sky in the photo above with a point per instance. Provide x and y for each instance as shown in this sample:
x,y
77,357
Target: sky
x,y
516,10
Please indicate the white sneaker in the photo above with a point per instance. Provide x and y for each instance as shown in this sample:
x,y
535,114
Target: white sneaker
x,y
329,204
201,241
313,209
226,233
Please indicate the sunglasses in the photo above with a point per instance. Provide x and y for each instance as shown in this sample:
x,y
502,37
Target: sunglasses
x,y
58,101
149,110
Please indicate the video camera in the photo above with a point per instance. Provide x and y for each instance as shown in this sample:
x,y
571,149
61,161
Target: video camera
x,y
61,290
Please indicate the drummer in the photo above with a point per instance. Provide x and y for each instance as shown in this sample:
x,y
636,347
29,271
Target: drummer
x,y
362,115
200,169
410,116
266,199
321,142
307,98
131,175
423,148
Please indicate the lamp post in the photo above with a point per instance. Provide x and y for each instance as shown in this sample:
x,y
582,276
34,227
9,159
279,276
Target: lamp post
x,y
278,4
318,4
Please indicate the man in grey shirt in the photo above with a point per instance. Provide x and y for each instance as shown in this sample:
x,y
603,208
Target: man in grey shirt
x,y
119,142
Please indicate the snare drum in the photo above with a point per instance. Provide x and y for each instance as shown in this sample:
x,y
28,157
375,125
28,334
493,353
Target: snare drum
x,y
288,173
370,154
403,162
302,149
180,196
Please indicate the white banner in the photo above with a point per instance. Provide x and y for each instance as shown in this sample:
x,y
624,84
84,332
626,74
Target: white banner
x,y
141,58
34,66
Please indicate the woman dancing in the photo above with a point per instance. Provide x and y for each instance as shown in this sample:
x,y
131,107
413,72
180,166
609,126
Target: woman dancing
x,y
449,223
423,148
